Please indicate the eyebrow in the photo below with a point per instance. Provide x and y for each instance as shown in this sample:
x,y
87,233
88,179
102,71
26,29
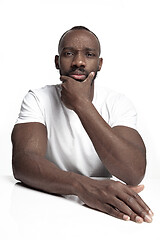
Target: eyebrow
x,y
73,49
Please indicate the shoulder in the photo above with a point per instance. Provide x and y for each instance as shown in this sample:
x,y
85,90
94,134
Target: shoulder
x,y
107,96
37,102
46,90
119,108
48,93
112,98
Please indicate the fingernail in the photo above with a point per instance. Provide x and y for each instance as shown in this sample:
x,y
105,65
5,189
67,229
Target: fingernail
x,y
126,218
148,219
93,74
139,219
150,213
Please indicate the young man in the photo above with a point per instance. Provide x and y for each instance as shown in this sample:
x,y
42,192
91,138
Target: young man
x,y
68,133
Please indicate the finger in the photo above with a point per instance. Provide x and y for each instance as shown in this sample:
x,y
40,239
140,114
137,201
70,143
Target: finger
x,y
137,189
116,212
112,211
141,202
138,206
64,78
122,207
89,78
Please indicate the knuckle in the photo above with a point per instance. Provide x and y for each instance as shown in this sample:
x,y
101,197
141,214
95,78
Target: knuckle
x,y
114,212
129,200
114,185
133,216
109,210
142,213
119,184
135,195
104,194
110,187
121,205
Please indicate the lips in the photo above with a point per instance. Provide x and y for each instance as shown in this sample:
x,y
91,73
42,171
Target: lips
x,y
79,77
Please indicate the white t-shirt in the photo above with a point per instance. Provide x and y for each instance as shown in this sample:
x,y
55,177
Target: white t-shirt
x,y
69,146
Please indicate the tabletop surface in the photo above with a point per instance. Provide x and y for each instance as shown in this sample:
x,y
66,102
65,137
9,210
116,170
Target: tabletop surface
x,y
29,214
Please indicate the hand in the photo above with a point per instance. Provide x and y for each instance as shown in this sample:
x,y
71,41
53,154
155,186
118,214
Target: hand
x,y
74,93
116,199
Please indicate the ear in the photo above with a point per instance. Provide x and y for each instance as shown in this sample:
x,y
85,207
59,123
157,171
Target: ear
x,y
56,60
100,64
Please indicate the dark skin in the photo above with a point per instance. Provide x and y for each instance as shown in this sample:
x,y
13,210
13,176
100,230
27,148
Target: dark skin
x,y
121,149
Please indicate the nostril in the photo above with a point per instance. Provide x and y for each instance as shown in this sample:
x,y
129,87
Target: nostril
x,y
78,61
78,64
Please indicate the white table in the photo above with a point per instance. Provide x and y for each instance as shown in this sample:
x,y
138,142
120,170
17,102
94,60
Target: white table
x,y
29,214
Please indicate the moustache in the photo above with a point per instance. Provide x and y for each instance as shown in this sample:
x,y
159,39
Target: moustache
x,y
78,71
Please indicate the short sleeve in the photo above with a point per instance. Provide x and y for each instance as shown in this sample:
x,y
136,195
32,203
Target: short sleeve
x,y
31,109
122,112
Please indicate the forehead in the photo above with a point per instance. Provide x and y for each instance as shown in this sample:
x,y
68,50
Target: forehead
x,y
79,39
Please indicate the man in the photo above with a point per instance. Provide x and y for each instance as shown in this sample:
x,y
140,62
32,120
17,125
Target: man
x,y
68,133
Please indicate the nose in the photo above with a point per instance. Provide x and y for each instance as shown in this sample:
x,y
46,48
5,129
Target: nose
x,y
78,60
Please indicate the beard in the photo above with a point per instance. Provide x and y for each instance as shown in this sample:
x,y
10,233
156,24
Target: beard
x,y
80,71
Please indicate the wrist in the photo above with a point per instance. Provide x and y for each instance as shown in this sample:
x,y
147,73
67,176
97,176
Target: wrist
x,y
78,182
82,105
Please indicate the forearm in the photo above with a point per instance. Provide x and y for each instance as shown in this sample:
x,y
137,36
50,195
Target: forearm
x,y
43,175
121,158
39,173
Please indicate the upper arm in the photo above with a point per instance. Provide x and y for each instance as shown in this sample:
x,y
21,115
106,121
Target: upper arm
x,y
29,138
131,136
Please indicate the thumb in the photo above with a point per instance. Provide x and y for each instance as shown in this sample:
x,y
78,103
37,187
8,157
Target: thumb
x,y
90,77
137,189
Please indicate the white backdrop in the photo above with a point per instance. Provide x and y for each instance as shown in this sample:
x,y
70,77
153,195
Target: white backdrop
x,y
129,31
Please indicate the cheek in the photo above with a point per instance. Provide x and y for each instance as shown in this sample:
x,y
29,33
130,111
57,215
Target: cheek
x,y
64,64
94,65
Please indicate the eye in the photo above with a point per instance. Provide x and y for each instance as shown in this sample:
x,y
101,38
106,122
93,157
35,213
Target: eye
x,y
89,54
68,54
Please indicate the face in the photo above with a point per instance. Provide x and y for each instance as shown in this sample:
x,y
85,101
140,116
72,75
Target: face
x,y
78,55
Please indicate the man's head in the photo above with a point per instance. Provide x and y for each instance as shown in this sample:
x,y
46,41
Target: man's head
x,y
79,51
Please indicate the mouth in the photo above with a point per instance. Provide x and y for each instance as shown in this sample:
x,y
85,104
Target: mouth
x,y
79,77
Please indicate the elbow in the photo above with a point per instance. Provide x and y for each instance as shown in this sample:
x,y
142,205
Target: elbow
x,y
15,172
15,169
136,176
135,180
137,170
